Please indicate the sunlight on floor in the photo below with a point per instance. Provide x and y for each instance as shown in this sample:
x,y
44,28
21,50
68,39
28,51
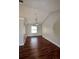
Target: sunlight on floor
x,y
34,44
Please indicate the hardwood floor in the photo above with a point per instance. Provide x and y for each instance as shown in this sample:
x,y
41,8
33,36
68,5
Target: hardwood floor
x,y
38,48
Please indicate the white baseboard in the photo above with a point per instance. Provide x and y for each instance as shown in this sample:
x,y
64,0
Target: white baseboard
x,y
52,41
21,44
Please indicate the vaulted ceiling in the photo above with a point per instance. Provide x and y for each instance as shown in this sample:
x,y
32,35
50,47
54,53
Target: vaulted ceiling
x,y
40,9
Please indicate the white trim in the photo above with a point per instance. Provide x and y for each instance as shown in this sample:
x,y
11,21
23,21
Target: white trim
x,y
21,44
51,41
21,18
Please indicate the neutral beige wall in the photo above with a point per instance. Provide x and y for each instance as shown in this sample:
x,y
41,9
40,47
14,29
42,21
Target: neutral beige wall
x,y
50,28
56,28
22,31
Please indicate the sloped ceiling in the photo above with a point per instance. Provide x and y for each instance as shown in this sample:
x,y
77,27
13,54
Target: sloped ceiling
x,y
40,9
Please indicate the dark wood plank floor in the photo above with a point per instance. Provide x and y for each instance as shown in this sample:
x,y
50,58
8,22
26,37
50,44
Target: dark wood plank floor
x,y
38,48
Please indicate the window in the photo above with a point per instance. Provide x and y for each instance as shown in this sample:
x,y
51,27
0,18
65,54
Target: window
x,y
33,29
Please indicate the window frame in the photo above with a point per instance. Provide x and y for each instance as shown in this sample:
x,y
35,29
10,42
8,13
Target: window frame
x,y
33,29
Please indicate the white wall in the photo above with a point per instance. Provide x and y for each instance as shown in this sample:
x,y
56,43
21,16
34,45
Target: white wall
x,y
50,28
39,30
21,31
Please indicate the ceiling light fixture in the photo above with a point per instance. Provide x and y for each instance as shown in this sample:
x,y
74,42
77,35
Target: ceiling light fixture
x,y
21,1
36,20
